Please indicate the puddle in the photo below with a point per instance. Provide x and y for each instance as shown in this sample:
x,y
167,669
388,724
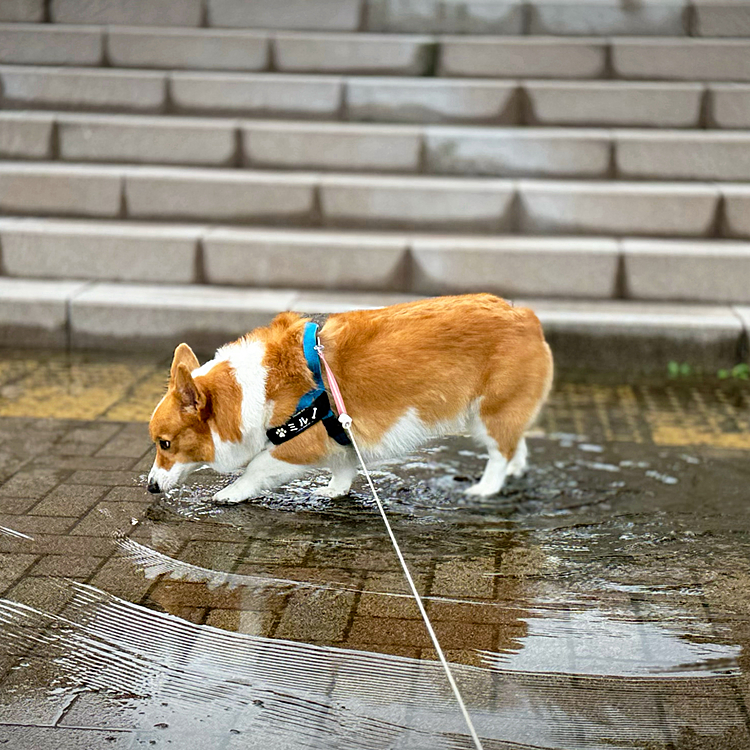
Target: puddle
x,y
302,695
601,601
590,643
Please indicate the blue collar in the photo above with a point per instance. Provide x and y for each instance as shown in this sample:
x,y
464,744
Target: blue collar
x,y
309,342
314,406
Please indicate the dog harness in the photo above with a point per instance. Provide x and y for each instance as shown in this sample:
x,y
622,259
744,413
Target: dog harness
x,y
314,406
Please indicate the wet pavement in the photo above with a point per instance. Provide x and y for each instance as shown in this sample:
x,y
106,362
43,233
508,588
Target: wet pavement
x,y
601,601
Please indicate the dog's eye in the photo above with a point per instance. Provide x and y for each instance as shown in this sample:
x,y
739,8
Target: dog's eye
x,y
164,445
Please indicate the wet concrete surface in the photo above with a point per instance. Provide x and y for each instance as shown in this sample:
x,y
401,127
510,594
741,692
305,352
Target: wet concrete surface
x,y
601,601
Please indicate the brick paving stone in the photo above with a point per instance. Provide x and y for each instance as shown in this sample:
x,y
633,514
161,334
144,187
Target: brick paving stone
x,y
24,135
17,505
73,449
220,556
84,89
85,441
144,463
38,592
127,12
329,15
69,500
85,463
354,558
119,578
28,11
242,621
130,495
376,605
219,532
454,656
70,566
196,615
174,594
278,551
325,576
464,578
58,544
721,18
130,441
108,516
187,48
32,525
457,635
478,613
101,710
34,483
50,45
13,567
92,433
319,616
127,478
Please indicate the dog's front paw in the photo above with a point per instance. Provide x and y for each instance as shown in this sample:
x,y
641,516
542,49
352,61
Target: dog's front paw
x,y
330,492
232,495
480,490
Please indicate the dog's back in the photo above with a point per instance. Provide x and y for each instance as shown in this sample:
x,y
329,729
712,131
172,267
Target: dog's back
x,y
433,366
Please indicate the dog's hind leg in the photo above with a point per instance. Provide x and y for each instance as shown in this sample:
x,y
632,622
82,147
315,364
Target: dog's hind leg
x,y
518,464
494,475
499,426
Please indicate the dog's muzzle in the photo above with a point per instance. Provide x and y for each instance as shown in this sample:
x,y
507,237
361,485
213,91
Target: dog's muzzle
x,y
153,487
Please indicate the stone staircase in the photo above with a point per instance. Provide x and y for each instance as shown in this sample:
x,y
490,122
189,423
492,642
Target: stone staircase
x,y
177,169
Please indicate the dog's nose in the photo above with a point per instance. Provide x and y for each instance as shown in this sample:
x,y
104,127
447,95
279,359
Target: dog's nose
x,y
153,488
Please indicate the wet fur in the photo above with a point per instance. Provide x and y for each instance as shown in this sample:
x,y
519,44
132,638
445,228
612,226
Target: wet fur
x,y
407,373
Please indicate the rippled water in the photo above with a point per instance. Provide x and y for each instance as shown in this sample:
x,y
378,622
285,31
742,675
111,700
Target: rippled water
x,y
600,602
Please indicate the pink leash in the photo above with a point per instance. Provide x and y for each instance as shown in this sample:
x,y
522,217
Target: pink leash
x,y
338,399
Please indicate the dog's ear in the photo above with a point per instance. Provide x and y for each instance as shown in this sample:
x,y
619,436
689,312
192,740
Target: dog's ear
x,y
183,354
192,397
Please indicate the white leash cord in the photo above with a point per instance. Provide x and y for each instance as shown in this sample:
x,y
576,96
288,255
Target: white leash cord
x,y
347,425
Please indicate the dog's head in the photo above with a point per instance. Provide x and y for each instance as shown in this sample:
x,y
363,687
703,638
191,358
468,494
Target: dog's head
x,y
179,425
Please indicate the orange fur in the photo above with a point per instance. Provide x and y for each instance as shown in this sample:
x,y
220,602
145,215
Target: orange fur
x,y
435,356
192,407
436,359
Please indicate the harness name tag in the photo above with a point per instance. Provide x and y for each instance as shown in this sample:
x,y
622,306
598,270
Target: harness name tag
x,y
301,421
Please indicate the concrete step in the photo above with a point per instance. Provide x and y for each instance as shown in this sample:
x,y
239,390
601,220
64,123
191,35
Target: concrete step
x,y
709,18
511,266
449,150
628,58
376,99
686,59
558,17
83,89
681,59
602,335
375,201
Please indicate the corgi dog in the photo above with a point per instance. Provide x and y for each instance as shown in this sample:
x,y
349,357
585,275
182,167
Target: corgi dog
x,y
407,373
